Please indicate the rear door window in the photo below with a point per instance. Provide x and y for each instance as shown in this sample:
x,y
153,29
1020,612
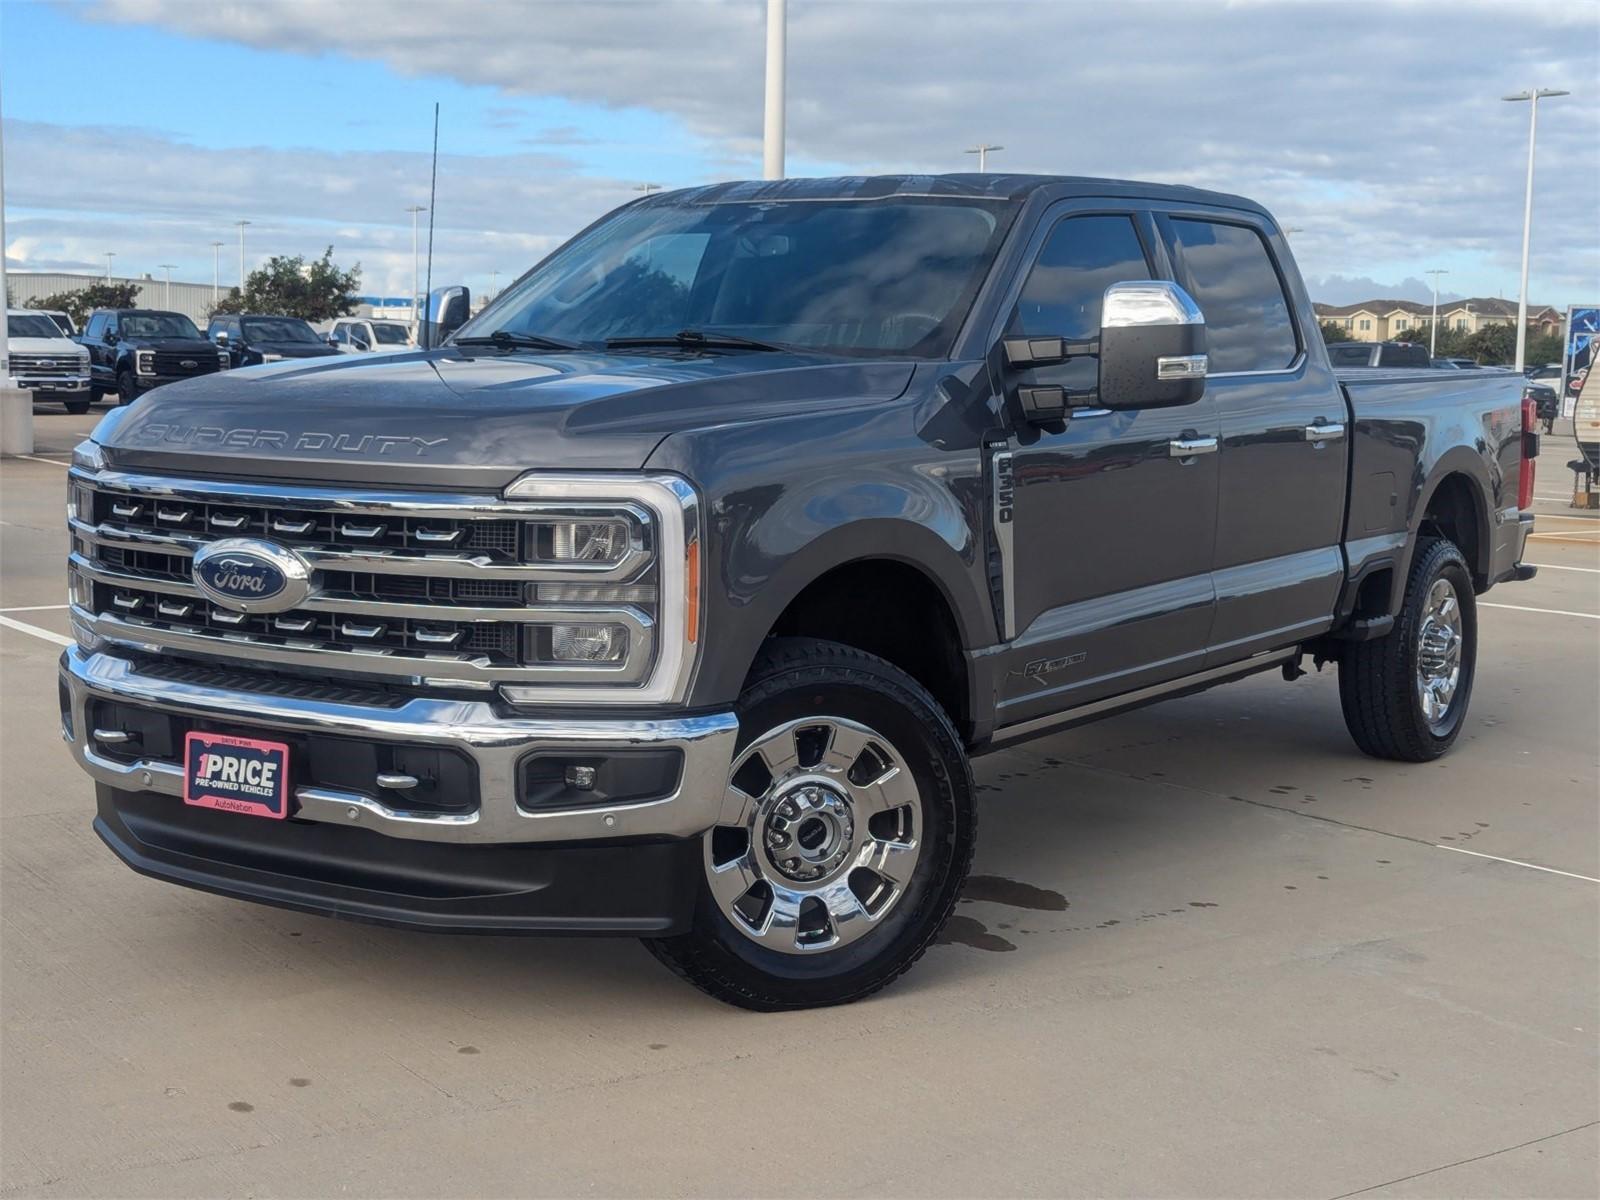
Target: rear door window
x,y
1228,270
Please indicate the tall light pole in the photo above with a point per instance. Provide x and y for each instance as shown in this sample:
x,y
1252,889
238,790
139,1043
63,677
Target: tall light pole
x,y
982,150
240,226
216,272
414,210
110,254
166,297
1433,325
772,130
1533,96
493,275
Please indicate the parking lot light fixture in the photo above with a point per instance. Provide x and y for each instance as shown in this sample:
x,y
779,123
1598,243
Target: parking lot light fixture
x,y
240,226
216,271
1532,96
983,150
110,254
414,210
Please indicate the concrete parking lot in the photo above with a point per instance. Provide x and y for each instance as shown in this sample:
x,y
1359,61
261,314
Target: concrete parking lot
x,y
1209,950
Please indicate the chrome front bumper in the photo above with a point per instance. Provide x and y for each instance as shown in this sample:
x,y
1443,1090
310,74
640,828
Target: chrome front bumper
x,y
494,743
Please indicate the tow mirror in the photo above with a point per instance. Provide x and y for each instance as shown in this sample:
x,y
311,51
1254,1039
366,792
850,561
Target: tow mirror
x,y
1152,346
448,310
222,337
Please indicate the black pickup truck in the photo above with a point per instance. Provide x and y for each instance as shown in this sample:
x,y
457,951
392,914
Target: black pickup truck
x,y
132,350
674,593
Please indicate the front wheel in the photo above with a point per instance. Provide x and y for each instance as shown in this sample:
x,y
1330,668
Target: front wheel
x,y
846,832
76,407
127,390
1405,695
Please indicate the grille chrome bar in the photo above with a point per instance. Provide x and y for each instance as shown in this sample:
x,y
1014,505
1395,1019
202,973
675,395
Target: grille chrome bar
x,y
134,534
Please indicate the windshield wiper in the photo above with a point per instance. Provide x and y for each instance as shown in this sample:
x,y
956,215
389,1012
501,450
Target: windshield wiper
x,y
697,339
506,339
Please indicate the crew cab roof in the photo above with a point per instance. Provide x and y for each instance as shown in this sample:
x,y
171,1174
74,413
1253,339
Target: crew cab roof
x,y
954,186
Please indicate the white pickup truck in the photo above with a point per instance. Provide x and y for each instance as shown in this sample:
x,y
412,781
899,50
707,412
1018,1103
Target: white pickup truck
x,y
45,361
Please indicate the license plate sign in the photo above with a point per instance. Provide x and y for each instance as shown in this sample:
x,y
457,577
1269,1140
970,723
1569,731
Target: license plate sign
x,y
236,774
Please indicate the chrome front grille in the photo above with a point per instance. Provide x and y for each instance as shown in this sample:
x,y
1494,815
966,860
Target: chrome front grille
x,y
48,366
438,589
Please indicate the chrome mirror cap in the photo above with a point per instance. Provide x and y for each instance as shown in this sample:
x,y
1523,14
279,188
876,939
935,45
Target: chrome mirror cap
x,y
1149,302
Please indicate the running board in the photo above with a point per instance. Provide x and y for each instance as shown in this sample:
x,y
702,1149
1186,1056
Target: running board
x,y
1009,735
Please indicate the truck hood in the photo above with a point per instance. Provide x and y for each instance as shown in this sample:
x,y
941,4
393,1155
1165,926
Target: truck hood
x,y
453,418
67,351
293,349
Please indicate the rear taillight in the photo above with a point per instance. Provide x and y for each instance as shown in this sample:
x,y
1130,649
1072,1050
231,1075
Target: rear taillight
x,y
1530,448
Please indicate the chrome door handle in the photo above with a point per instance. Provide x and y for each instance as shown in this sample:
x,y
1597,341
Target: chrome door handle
x,y
1189,447
1328,432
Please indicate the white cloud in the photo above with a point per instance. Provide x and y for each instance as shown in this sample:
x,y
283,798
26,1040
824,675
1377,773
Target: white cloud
x,y
1377,128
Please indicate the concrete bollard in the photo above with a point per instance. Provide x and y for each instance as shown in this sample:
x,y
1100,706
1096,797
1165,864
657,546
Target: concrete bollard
x,y
16,421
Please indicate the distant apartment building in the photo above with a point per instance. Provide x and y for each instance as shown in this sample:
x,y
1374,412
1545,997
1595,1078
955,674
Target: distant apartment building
x,y
1385,320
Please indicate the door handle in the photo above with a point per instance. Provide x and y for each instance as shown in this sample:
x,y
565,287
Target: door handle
x,y
1325,431
1189,447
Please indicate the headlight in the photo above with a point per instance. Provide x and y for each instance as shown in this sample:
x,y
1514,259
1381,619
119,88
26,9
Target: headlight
x,y
267,357
144,362
223,361
612,592
585,643
583,541
88,455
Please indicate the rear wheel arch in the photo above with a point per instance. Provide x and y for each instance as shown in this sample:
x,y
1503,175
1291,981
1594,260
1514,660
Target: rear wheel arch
x,y
1454,505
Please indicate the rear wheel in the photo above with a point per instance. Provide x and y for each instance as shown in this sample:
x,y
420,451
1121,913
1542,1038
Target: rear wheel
x,y
1405,695
846,832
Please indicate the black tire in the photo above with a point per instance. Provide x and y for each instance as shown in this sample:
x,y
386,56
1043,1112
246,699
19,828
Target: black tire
x,y
798,678
127,391
76,407
96,393
1378,686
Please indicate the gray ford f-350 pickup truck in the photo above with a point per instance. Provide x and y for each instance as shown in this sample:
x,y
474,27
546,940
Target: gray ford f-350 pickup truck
x,y
672,596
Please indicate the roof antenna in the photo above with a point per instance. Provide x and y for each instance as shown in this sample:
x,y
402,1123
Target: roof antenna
x,y
433,191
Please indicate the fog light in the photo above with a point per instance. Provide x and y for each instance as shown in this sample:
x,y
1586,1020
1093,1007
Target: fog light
x,y
588,643
581,778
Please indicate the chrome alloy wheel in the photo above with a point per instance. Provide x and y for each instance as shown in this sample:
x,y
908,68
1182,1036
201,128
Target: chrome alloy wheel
x,y
1439,643
818,837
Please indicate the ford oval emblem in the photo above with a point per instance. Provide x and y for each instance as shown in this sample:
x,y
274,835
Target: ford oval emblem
x,y
188,364
250,575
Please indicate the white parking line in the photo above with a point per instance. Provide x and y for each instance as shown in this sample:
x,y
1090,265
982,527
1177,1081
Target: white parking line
x,y
1519,863
35,631
33,608
35,458
1537,517
1553,612
1558,567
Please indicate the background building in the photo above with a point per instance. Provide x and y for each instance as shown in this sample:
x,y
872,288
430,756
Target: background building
x,y
194,300
1382,320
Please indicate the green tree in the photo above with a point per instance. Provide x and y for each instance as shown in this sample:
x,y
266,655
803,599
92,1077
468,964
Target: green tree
x,y
1543,348
1334,331
1493,345
80,302
292,287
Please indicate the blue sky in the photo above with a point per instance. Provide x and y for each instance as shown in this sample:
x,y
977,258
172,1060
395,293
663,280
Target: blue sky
x,y
149,126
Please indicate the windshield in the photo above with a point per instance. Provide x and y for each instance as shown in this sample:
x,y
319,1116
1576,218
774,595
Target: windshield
x,y
30,326
863,277
156,325
1350,356
390,335
277,329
